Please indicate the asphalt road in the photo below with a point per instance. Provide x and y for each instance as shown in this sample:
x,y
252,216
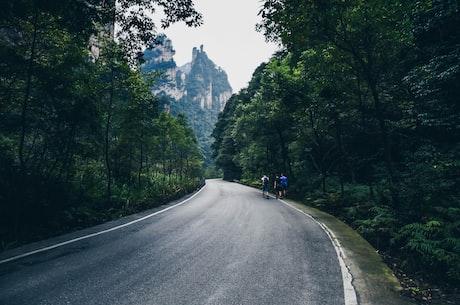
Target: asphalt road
x,y
226,245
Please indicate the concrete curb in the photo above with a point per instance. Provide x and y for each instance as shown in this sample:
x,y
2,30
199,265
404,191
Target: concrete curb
x,y
373,280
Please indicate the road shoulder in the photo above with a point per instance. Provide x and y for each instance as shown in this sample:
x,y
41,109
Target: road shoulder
x,y
373,280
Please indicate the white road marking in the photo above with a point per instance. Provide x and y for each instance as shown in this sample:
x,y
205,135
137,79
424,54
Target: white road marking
x,y
347,278
97,233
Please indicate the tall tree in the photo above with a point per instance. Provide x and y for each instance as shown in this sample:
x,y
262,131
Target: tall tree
x,y
369,36
57,105
137,28
433,81
224,147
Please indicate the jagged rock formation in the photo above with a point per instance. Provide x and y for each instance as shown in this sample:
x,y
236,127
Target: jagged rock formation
x,y
198,89
160,58
206,83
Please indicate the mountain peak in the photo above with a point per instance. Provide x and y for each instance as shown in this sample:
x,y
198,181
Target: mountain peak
x,y
199,89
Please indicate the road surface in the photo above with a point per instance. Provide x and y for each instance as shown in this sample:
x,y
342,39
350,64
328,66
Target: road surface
x,y
226,245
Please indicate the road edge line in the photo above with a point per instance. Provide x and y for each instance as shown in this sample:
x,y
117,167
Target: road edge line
x,y
13,258
349,290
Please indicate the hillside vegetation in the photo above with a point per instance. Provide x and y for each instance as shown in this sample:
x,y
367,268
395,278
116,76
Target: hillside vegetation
x,y
198,90
82,140
361,112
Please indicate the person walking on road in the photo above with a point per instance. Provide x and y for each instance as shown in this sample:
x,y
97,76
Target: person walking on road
x,y
265,181
277,185
284,184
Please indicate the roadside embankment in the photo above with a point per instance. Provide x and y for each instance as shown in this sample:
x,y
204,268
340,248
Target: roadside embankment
x,y
373,280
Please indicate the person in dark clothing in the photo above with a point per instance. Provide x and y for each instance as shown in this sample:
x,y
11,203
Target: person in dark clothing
x,y
264,183
278,186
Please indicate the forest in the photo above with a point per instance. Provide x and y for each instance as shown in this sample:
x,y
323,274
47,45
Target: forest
x,y
361,111
82,140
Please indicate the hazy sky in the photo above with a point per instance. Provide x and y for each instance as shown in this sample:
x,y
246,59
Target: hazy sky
x,y
229,38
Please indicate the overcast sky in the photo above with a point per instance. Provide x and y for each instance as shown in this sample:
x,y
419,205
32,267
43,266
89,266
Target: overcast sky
x,y
228,36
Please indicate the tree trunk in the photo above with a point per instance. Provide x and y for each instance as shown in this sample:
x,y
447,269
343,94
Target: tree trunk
x,y
141,165
107,137
25,102
387,145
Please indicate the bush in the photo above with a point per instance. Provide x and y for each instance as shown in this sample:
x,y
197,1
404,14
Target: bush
x,y
433,245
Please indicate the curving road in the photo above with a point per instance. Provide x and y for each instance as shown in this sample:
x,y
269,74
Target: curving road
x,y
226,245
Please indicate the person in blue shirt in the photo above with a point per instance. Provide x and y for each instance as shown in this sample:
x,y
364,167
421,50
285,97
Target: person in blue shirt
x,y
284,184
278,186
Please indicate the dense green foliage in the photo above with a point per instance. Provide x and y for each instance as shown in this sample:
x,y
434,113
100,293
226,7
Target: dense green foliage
x,y
361,112
81,137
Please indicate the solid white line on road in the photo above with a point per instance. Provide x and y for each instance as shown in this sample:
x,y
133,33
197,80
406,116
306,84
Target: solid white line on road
x,y
347,278
98,233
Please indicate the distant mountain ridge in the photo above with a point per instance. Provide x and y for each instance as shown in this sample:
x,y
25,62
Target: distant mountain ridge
x,y
199,89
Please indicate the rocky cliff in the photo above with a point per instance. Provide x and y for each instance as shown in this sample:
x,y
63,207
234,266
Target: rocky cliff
x,y
198,89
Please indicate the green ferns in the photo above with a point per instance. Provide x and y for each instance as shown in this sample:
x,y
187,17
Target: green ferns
x,y
432,247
